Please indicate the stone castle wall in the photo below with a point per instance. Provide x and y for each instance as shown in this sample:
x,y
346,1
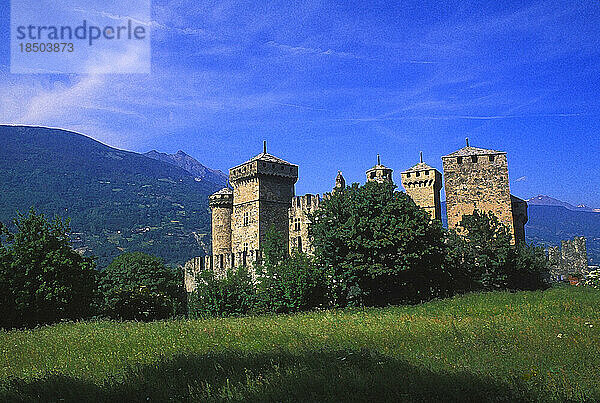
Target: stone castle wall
x,y
263,196
299,222
424,187
477,183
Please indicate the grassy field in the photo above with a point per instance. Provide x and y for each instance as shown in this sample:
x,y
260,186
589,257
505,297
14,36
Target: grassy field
x,y
527,346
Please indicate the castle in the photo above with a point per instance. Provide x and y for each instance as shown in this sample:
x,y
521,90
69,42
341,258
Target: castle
x,y
262,196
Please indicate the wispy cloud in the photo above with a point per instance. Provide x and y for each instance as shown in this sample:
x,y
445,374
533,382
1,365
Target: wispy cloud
x,y
301,50
521,179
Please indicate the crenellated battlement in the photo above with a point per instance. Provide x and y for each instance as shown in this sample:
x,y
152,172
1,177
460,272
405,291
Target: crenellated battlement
x,y
308,202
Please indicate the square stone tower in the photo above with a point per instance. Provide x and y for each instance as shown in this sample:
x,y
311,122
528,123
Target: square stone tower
x,y
476,178
263,188
423,184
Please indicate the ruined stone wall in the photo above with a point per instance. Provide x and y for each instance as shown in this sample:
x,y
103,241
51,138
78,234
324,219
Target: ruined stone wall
x,y
569,259
574,255
299,222
424,188
481,184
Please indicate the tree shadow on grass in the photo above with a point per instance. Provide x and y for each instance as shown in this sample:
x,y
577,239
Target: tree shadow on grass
x,y
324,375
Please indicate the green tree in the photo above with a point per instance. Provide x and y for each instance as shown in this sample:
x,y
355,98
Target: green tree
x,y
233,294
42,279
480,257
285,283
378,247
137,286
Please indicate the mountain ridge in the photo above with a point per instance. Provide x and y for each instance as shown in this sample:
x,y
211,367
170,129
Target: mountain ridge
x,y
191,165
117,200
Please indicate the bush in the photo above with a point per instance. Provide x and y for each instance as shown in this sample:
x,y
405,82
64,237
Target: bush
x,y
137,286
482,257
288,284
42,279
233,294
379,247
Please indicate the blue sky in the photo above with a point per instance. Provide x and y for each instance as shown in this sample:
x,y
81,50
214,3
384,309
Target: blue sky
x,y
331,84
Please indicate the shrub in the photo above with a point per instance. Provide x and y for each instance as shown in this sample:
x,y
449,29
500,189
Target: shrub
x,y
288,283
42,279
137,286
480,257
233,294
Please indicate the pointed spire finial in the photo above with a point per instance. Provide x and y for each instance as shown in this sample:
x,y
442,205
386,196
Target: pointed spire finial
x,y
467,141
265,146
378,160
421,155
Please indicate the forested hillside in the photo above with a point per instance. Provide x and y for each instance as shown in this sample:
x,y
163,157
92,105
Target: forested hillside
x,y
117,200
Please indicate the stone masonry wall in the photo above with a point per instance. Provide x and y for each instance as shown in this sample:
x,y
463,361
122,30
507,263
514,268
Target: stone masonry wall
x,y
569,259
481,185
424,188
299,221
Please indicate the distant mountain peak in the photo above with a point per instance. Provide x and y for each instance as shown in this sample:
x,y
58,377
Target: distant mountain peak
x,y
191,165
543,200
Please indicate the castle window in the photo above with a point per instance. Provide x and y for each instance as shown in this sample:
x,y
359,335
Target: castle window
x,y
408,174
426,172
372,175
296,224
221,265
491,158
459,160
474,159
246,219
418,174
300,244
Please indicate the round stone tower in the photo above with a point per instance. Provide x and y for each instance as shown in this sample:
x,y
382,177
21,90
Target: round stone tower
x,y
379,173
221,204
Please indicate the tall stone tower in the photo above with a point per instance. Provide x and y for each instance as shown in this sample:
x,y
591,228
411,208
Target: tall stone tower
x,y
423,184
221,204
263,188
379,173
476,178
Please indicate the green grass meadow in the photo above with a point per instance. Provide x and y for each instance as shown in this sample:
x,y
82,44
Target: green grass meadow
x,y
526,346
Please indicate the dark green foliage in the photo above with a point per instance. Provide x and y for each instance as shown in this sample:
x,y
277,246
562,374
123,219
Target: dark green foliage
x,y
42,279
482,257
379,247
141,287
288,284
233,294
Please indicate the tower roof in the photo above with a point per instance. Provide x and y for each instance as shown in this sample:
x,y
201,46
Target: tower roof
x,y
265,157
379,166
224,191
421,166
468,150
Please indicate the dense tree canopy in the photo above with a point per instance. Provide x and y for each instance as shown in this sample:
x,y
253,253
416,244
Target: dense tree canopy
x,y
42,279
378,246
141,287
